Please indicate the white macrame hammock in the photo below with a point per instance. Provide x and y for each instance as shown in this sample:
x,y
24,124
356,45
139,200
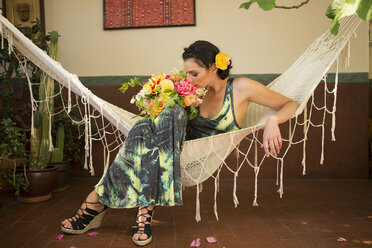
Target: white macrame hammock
x,y
202,158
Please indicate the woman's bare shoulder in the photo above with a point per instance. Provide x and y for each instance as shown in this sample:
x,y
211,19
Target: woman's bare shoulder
x,y
246,84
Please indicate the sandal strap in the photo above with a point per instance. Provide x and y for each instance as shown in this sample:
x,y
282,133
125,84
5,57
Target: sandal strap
x,y
148,218
82,220
145,230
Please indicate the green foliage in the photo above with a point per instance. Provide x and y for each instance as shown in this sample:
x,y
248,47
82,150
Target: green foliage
x,y
247,5
192,112
335,11
12,141
132,83
341,8
17,180
12,149
264,4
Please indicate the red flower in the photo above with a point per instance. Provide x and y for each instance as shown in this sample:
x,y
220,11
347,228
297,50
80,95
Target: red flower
x,y
184,87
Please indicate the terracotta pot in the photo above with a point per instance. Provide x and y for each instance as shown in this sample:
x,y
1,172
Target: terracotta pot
x,y
62,175
41,183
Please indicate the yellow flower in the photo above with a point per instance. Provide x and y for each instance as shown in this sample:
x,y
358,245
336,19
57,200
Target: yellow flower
x,y
222,60
158,78
167,84
148,87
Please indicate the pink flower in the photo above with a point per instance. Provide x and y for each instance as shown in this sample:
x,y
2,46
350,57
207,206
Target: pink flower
x,y
59,237
92,234
195,243
211,240
341,239
184,87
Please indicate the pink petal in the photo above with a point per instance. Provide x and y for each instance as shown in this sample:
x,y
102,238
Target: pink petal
x,y
195,243
92,234
59,237
341,239
211,240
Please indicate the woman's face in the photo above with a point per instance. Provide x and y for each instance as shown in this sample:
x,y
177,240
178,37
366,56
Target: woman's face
x,y
197,75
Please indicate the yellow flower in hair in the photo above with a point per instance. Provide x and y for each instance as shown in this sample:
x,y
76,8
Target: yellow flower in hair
x,y
222,60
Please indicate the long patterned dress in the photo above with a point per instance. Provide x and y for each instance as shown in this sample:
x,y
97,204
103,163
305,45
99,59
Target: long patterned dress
x,y
146,170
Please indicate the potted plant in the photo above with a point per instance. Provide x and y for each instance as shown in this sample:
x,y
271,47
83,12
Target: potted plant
x,y
12,153
41,176
40,151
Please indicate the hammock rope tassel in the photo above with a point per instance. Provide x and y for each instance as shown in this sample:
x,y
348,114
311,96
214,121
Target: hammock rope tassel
x,y
215,199
304,142
86,125
236,201
197,215
334,104
51,148
324,114
255,186
277,172
280,190
69,94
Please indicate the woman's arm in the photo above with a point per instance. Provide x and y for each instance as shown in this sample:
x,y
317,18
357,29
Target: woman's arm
x,y
286,107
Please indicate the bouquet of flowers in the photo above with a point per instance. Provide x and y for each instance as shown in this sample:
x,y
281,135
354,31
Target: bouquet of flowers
x,y
165,91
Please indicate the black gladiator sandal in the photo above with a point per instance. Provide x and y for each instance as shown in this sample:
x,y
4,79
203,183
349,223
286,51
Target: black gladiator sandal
x,y
89,219
146,229
148,219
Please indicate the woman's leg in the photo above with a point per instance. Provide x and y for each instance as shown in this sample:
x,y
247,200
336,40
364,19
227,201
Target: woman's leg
x,y
90,202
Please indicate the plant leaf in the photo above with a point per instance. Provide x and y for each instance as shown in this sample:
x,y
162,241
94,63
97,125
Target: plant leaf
x,y
364,10
341,8
266,4
246,5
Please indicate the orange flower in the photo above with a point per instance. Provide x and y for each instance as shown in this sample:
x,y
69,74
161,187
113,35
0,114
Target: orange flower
x,y
156,108
188,100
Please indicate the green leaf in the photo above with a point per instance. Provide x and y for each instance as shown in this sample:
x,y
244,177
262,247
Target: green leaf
x,y
341,8
132,83
246,5
266,4
364,10
170,103
333,8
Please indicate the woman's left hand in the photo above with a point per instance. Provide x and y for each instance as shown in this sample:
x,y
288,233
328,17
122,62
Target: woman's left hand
x,y
272,137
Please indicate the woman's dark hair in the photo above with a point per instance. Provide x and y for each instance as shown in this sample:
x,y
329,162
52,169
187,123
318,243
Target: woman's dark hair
x,y
204,53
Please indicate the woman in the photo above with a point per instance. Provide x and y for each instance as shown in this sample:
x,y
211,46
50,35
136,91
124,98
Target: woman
x,y
146,172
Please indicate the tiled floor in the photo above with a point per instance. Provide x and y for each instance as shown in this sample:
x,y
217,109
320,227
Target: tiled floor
x,y
312,213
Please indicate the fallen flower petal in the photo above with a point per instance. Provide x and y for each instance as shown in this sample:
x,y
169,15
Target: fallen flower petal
x,y
59,237
341,239
92,234
211,240
195,243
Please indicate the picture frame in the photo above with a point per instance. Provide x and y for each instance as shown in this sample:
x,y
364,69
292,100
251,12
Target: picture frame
x,y
22,13
130,14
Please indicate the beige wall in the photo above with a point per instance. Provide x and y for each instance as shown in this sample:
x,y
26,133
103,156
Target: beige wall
x,y
258,41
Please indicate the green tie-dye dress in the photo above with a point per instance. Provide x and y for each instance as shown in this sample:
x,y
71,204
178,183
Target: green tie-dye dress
x,y
146,170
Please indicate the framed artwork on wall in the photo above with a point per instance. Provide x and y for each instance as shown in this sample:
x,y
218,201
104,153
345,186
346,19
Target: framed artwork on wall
x,y
23,12
124,14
